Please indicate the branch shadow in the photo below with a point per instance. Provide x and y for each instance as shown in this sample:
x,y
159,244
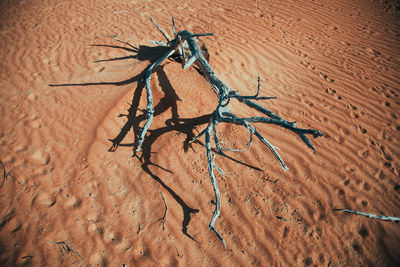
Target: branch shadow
x,y
142,53
181,125
175,123
185,126
147,53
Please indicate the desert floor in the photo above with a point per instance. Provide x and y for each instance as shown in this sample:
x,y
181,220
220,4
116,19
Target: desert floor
x,y
71,80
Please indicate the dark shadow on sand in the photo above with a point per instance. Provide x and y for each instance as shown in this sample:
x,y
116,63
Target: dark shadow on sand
x,y
175,123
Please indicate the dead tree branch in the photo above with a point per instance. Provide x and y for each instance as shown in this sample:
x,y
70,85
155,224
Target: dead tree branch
x,y
184,46
370,215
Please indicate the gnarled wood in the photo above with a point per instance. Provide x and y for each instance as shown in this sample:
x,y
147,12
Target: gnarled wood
x,y
184,45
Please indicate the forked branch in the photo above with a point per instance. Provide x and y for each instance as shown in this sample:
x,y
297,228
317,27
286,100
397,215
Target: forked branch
x,y
184,45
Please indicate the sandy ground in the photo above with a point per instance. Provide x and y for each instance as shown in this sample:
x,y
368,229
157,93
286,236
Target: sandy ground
x,y
69,201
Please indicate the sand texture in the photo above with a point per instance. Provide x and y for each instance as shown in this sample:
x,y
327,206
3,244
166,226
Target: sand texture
x,y
67,200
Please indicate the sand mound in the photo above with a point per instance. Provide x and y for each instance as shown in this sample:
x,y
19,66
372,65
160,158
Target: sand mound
x,y
72,198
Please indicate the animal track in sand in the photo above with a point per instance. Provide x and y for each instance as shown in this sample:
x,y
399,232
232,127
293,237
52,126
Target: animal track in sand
x,y
40,157
73,202
44,199
325,77
332,92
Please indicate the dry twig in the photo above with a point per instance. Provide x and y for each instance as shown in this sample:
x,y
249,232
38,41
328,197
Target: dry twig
x,y
163,218
64,247
6,174
370,215
7,214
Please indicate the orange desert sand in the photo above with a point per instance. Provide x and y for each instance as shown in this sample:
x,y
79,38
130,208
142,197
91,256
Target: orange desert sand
x,y
69,201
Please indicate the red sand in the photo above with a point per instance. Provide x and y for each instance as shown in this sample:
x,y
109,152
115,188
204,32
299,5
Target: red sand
x,y
334,66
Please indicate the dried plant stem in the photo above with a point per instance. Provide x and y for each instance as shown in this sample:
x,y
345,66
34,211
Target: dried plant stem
x,y
163,218
370,215
6,174
65,247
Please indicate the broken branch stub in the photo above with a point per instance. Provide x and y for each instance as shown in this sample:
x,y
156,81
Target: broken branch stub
x,y
184,45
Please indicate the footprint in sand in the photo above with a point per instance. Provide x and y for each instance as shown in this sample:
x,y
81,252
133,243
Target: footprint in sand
x,y
363,231
74,202
332,92
114,237
385,154
325,77
285,232
372,51
344,131
97,259
364,203
364,153
40,158
366,186
361,129
397,188
331,27
43,199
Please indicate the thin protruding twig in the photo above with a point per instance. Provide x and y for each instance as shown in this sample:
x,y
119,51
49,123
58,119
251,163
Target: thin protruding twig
x,y
65,247
199,35
173,26
210,160
198,136
122,42
7,174
160,43
6,213
252,130
163,32
273,150
258,85
234,94
370,215
163,218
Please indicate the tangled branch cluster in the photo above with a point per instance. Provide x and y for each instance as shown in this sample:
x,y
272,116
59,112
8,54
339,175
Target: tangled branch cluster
x,y
184,45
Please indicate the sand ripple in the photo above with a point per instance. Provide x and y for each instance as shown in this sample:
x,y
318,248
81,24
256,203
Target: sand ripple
x,y
333,66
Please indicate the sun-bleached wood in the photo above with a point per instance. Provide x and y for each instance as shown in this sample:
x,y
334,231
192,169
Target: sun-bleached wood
x,y
370,215
184,45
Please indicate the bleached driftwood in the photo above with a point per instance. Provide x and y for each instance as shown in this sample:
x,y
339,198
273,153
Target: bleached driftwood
x,y
184,45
